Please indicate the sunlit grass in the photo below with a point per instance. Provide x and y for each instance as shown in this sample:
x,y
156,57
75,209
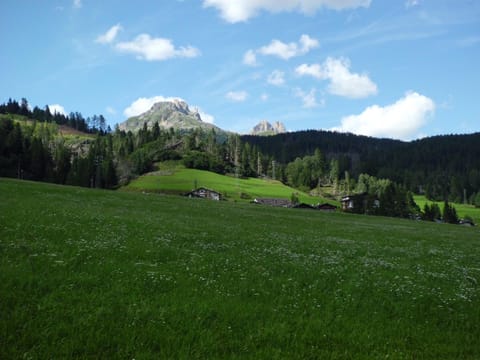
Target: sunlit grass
x,y
462,209
178,180
101,274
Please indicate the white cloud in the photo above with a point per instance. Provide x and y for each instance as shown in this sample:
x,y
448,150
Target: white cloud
x,y
110,35
292,49
237,96
77,4
314,70
56,108
342,81
250,58
308,98
401,120
276,78
205,117
411,3
236,11
264,97
155,49
142,105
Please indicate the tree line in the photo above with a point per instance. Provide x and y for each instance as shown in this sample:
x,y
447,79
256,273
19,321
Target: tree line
x,y
75,120
441,167
36,152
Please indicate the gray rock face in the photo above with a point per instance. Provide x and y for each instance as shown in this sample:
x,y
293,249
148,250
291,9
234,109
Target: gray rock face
x,y
169,114
265,128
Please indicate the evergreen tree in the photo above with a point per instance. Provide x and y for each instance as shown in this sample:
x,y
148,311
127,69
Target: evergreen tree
x,y
62,162
24,109
476,200
431,212
334,174
449,213
39,160
156,131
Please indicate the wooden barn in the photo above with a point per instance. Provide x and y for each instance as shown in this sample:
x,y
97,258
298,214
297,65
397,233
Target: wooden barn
x,y
204,193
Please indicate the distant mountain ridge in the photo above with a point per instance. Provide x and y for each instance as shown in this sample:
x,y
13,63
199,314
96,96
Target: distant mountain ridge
x,y
265,128
174,114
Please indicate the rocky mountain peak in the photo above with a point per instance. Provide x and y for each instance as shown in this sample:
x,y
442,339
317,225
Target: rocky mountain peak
x,y
174,113
266,128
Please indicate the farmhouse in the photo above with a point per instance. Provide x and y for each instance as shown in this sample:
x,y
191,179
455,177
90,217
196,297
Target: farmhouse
x,y
359,203
204,193
273,202
348,202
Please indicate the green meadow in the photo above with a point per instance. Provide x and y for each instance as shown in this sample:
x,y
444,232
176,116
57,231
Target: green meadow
x,y
463,210
90,274
176,179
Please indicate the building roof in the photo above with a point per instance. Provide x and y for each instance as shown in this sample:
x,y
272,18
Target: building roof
x,y
203,192
273,202
326,206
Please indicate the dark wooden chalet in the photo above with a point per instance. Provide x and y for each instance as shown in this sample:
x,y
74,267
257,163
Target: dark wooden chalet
x,y
360,203
204,193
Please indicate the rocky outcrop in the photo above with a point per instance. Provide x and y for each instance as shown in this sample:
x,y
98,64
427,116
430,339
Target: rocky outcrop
x,y
265,128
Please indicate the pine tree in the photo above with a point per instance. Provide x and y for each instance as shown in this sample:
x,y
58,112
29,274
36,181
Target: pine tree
x,y
449,213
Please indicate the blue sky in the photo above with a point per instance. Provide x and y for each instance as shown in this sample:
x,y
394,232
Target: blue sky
x,y
399,68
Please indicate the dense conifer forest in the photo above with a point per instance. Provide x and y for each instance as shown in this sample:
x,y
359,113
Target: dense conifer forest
x,y
442,167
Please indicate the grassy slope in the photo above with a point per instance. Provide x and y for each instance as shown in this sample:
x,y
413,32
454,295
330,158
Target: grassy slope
x,y
98,274
71,135
462,209
180,180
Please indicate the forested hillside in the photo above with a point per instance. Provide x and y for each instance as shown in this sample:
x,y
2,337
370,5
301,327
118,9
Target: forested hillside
x,y
324,163
441,166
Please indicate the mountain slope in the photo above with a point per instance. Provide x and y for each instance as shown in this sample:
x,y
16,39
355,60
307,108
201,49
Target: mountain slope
x,y
174,114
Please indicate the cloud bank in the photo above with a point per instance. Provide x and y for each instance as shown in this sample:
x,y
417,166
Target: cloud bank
x,y
401,120
234,11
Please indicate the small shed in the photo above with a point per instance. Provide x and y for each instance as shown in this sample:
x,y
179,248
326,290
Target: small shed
x,y
304,206
326,207
273,202
204,193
